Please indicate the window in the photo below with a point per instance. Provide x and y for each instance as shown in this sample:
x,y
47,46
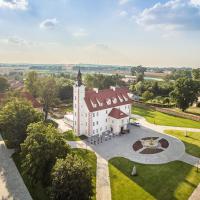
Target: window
x,y
85,115
93,124
97,130
93,131
75,114
97,113
75,123
106,128
106,111
93,114
97,122
75,97
101,129
106,120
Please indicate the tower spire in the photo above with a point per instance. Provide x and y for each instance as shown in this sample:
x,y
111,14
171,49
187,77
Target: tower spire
x,y
79,78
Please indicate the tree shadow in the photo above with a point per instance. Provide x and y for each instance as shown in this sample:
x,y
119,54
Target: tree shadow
x,y
169,181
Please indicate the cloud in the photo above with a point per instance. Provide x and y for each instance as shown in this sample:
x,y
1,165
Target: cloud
x,y
122,2
80,33
123,13
49,23
14,4
174,15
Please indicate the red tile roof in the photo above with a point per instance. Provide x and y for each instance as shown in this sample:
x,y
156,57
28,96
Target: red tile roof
x,y
30,98
117,114
107,98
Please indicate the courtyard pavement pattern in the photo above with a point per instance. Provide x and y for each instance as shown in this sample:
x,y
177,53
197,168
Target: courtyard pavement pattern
x,y
12,186
121,146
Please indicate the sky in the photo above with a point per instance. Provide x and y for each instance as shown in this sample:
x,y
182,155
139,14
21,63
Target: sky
x,y
122,32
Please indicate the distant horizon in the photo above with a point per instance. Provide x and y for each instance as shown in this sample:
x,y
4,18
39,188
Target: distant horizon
x,y
99,65
123,32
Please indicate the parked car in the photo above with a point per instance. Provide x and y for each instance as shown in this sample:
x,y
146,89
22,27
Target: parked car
x,y
135,124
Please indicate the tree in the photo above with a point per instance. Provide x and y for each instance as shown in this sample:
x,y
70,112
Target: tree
x,y
147,95
3,84
32,83
47,93
185,92
43,145
138,72
65,88
196,74
15,116
71,179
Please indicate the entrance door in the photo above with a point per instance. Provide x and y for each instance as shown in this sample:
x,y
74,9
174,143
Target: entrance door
x,y
122,129
111,129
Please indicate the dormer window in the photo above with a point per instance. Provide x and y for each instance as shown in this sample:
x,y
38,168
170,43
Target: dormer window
x,y
114,100
100,103
94,105
108,101
121,100
125,98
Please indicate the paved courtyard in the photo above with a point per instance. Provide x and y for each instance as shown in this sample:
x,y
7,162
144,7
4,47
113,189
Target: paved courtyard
x,y
122,146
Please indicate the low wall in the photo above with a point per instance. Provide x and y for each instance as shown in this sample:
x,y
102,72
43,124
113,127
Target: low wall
x,y
168,111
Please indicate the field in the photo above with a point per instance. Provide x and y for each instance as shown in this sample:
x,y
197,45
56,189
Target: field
x,y
172,181
159,118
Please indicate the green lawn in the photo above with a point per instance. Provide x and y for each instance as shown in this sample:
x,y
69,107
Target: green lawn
x,y
159,118
39,192
172,181
192,142
70,136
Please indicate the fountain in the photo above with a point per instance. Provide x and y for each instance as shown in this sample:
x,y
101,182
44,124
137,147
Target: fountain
x,y
150,143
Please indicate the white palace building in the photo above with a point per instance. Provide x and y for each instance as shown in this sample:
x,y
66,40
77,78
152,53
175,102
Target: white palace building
x,y
98,111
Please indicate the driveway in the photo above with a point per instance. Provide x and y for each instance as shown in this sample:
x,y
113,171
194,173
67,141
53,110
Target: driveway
x,y
12,186
62,126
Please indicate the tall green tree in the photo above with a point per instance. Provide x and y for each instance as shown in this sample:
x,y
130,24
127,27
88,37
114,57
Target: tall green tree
x,y
71,179
15,116
48,93
185,92
138,72
31,83
3,84
43,145
65,88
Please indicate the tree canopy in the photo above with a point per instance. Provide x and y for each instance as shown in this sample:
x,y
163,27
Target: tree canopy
x,y
102,81
43,145
31,83
15,116
71,179
3,84
185,92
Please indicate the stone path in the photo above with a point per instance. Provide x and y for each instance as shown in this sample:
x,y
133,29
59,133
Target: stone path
x,y
12,186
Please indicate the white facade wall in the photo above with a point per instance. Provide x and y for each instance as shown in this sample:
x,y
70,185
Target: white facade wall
x,y
101,122
92,123
79,110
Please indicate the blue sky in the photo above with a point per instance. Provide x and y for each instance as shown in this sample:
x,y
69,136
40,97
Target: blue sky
x,y
124,32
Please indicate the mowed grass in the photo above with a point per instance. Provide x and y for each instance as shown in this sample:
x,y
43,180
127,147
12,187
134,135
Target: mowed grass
x,y
39,192
159,118
172,181
192,141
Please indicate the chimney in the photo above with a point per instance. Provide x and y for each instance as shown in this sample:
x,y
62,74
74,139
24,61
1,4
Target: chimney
x,y
96,90
113,88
